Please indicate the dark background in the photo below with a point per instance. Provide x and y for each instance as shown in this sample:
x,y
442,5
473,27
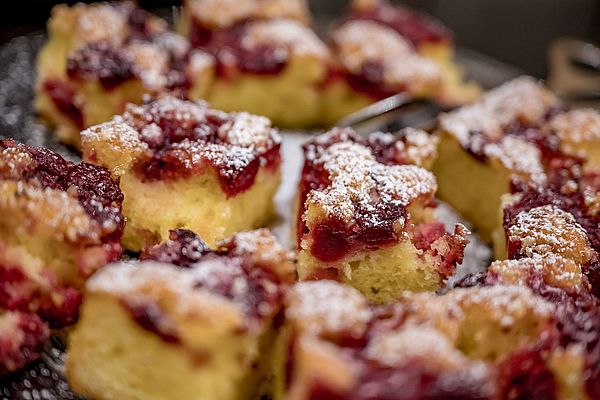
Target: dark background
x,y
514,31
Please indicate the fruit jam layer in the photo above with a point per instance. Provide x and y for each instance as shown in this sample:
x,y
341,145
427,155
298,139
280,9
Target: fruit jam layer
x,y
59,306
226,44
369,82
94,186
419,28
334,239
22,340
533,133
183,140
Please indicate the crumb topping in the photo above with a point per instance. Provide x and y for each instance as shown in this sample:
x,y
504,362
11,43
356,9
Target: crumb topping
x,y
556,271
81,199
519,156
418,27
359,181
419,147
175,138
521,100
286,34
549,229
90,23
261,249
423,344
577,126
173,289
223,13
59,213
364,45
328,309
504,304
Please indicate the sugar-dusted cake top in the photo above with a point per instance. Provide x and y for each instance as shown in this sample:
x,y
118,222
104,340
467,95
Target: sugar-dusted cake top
x,y
417,27
169,138
262,47
369,52
552,269
549,229
235,287
520,101
328,309
223,13
358,186
80,202
114,42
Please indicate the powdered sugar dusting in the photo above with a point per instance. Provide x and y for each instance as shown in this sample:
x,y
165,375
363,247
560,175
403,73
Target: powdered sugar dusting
x,y
522,99
357,178
297,38
414,343
148,280
247,130
548,229
222,13
577,126
518,156
327,308
357,43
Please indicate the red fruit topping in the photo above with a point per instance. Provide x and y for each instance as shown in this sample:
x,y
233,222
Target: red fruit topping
x,y
64,98
419,28
184,137
22,341
93,186
226,44
101,61
524,375
183,249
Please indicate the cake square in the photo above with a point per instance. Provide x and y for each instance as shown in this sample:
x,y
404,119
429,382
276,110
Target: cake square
x,y
209,317
366,214
101,56
182,164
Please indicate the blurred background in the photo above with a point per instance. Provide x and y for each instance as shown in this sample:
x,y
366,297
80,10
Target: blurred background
x,y
517,32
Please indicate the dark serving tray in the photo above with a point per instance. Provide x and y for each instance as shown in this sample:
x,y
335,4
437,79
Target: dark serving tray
x,y
44,379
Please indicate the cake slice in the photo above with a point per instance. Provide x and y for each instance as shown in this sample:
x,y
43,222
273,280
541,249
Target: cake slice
x,y
561,282
485,145
268,62
208,319
560,217
367,220
495,341
103,55
182,164
62,222
367,44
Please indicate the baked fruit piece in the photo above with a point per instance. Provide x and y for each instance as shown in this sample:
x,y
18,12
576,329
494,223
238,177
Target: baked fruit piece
x,y
22,338
101,56
208,320
485,145
494,341
367,46
184,165
62,222
366,220
268,61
